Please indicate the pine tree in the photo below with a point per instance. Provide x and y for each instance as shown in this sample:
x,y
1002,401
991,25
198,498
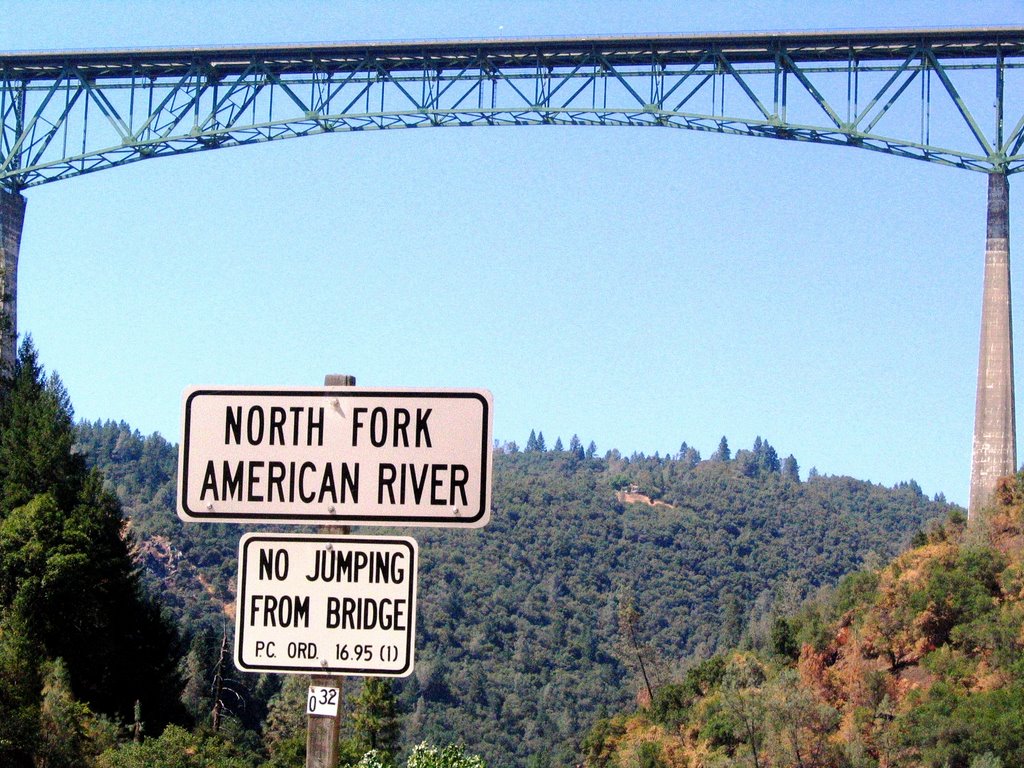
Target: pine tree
x,y
284,731
723,453
375,716
541,445
66,574
790,469
576,447
628,646
37,436
531,443
691,457
747,463
198,672
65,723
20,682
558,445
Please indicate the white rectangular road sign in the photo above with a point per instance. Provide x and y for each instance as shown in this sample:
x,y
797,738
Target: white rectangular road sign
x,y
341,455
317,604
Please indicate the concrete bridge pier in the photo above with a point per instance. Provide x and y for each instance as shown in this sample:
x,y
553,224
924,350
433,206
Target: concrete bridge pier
x,y
12,218
995,438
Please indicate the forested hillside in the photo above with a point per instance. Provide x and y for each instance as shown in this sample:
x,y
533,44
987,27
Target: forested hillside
x,y
917,664
594,573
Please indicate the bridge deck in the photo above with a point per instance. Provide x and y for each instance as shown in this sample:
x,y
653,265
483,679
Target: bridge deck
x,y
409,55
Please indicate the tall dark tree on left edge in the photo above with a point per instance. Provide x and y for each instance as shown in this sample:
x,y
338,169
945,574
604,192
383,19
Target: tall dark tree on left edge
x,y
67,579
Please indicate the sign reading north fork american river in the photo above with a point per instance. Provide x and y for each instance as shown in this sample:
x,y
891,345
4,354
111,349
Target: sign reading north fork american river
x,y
342,456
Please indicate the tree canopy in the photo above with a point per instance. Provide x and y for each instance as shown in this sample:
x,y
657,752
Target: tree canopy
x,y
911,664
69,590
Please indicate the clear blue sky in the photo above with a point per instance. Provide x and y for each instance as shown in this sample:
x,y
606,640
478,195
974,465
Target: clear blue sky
x,y
636,287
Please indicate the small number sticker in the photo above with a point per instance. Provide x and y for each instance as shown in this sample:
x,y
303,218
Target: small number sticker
x,y
322,701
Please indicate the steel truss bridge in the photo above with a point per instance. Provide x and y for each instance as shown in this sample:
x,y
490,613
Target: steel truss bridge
x,y
948,96
926,94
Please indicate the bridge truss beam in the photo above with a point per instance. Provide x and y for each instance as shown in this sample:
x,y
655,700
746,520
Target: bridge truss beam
x,y
926,95
948,96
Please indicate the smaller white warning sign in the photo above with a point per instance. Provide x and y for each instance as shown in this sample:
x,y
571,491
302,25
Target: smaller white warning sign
x,y
311,603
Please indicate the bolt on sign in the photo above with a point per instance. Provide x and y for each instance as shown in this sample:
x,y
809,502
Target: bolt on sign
x,y
344,456
310,603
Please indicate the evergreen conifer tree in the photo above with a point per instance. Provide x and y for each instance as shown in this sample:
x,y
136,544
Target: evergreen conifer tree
x,y
576,447
723,453
284,731
541,445
691,457
65,724
531,442
66,574
375,716
790,469
20,681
